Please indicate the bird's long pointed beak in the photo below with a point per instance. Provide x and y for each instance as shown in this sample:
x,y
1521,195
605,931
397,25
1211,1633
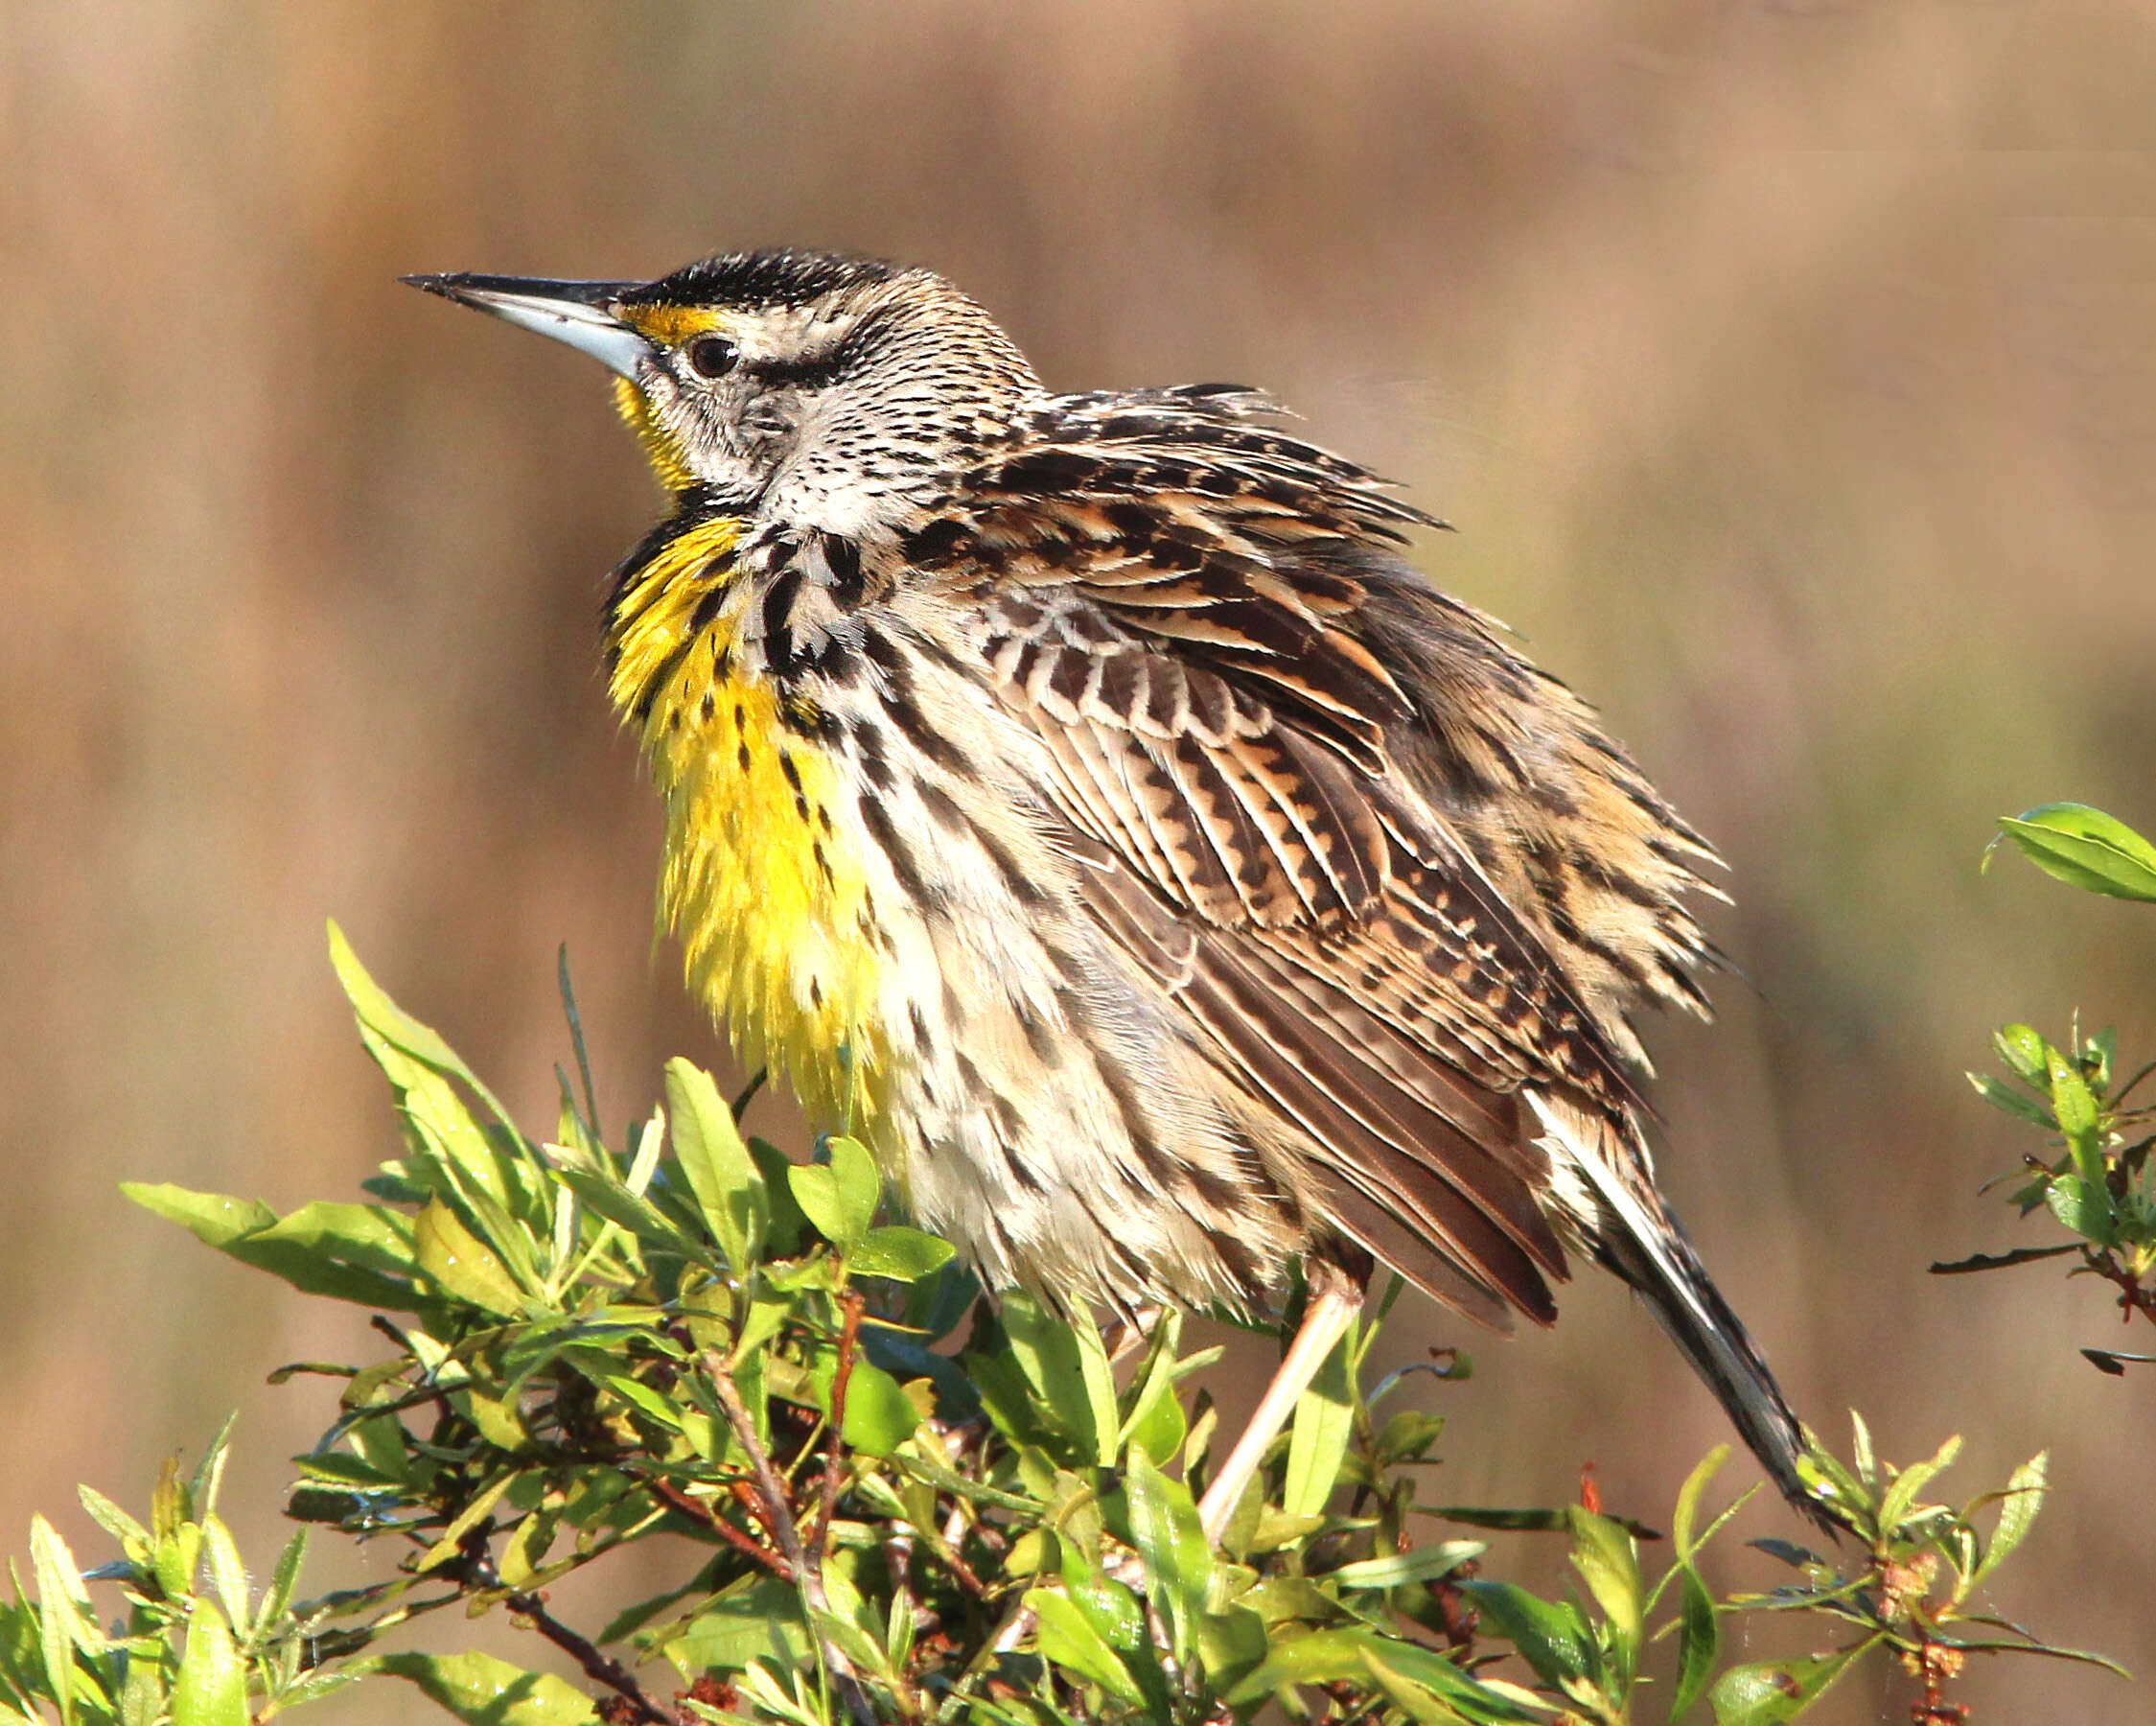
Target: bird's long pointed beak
x,y
577,312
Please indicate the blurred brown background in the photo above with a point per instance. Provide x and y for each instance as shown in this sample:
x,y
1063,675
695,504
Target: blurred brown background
x,y
1790,371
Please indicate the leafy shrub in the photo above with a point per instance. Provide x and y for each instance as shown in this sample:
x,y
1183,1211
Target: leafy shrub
x,y
888,1498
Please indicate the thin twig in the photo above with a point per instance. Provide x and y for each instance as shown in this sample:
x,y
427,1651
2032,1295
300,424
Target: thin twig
x,y
834,1448
779,1517
707,1516
807,1577
599,1667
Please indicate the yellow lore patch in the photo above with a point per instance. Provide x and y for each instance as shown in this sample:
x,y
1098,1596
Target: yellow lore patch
x,y
763,883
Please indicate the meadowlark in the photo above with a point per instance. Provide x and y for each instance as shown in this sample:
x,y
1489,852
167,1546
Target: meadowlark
x,y
1083,796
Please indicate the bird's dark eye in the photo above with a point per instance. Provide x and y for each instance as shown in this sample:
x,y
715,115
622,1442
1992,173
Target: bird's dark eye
x,y
711,355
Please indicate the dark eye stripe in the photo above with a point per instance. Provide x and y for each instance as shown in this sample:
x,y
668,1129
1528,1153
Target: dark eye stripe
x,y
813,371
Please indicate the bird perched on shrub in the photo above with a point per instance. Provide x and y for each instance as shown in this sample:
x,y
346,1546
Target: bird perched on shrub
x,y
1082,798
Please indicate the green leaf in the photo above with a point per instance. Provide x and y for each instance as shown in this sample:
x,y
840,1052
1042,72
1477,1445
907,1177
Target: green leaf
x,y
355,1252
838,1197
1552,1639
760,1620
481,1690
879,1415
461,1265
1769,1692
64,1620
2024,1052
2072,1104
1682,1518
212,1688
902,1255
1900,1498
1178,1558
1330,1656
2085,848
1697,1641
113,1519
283,1580
1418,1704
1397,1570
2085,1207
1067,1640
2018,1506
1603,1554
2004,1096
1066,1384
377,1014
1317,1440
721,1172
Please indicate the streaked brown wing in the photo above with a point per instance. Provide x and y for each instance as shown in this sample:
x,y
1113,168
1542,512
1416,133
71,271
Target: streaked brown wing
x,y
1220,731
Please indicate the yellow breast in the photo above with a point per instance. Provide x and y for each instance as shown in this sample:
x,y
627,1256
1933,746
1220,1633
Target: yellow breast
x,y
762,880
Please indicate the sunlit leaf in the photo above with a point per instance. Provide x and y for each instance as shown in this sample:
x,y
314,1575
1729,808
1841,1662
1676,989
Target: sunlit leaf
x,y
901,1253
721,1172
1067,1639
461,1265
212,1687
482,1690
2085,848
2018,1506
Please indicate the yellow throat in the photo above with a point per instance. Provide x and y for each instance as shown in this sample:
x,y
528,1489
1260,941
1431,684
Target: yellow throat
x,y
763,880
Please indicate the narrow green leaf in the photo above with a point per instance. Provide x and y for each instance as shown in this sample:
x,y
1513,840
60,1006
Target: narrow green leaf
x,y
1697,1641
1861,1452
355,1252
644,1400
1048,1353
1418,1704
2005,1097
1317,1439
721,1172
1397,1570
2085,848
481,1690
228,1573
2018,1506
379,1013
1682,1518
1070,1643
283,1581
64,1620
212,1687
1553,1639
1178,1558
113,1519
461,1265
1603,1554
1100,1380
1900,1497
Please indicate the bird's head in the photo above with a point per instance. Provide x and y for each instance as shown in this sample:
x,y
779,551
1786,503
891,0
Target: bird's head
x,y
824,390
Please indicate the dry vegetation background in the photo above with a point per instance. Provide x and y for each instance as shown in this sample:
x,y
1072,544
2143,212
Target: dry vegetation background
x,y
1790,371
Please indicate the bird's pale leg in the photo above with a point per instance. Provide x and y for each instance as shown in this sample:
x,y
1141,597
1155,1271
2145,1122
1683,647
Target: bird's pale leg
x,y
1333,1303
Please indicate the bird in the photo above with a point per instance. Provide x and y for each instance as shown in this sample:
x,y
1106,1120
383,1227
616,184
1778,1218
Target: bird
x,y
1085,800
